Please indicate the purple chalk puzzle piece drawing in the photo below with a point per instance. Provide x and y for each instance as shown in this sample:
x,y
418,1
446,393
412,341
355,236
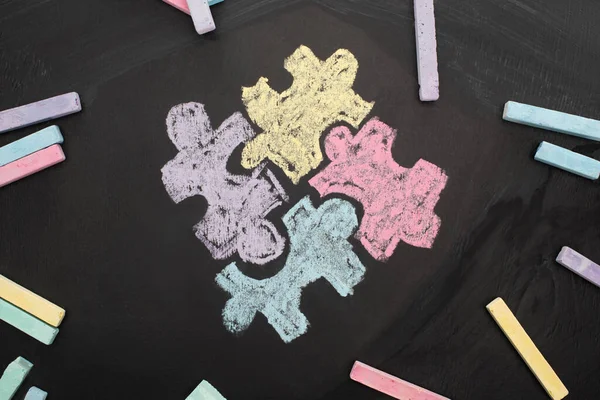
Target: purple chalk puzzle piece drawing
x,y
398,202
235,220
318,249
580,265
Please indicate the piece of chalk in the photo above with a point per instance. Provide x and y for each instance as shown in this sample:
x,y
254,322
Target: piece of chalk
x,y
27,323
35,394
389,384
40,111
205,391
201,15
527,349
552,120
585,268
427,62
31,164
568,160
13,377
30,144
31,302
182,5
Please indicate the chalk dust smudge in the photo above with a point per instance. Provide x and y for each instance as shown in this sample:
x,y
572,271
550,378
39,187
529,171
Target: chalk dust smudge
x,y
318,249
294,120
237,204
398,202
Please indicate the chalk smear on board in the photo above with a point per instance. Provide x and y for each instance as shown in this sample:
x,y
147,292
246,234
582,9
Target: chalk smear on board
x,y
398,202
319,248
294,120
235,220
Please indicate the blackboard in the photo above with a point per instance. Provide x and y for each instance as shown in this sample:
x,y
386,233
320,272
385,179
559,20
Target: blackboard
x,y
100,236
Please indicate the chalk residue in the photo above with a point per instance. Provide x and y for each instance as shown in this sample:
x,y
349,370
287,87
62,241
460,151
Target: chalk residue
x,y
294,120
237,204
398,202
318,249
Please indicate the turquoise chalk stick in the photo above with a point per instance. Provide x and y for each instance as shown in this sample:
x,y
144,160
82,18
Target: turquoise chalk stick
x,y
27,323
205,391
35,394
552,120
13,376
568,160
30,144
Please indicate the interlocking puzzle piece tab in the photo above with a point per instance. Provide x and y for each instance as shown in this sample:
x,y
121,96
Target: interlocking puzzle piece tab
x,y
398,202
318,249
235,220
294,120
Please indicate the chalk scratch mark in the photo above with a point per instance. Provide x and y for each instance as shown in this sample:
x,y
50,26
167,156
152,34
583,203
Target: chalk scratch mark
x,y
318,249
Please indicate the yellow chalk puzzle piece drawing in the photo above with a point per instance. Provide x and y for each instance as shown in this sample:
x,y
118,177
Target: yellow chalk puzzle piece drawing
x,y
294,120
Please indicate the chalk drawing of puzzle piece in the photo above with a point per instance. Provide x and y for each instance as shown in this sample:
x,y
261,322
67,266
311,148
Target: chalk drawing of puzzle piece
x,y
398,202
319,248
235,220
294,120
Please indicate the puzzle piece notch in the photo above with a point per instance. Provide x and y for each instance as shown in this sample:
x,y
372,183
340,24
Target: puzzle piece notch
x,y
235,220
318,249
398,202
293,121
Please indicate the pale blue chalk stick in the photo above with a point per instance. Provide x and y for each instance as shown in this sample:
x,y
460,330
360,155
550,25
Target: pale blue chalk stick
x,y
27,323
13,376
568,160
30,144
35,394
552,120
205,391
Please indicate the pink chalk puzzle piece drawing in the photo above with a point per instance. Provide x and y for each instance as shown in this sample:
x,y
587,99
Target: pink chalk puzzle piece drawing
x,y
319,248
398,202
235,220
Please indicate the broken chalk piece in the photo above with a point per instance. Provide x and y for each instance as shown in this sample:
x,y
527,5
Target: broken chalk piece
x,y
568,160
31,302
27,323
203,19
30,144
579,264
31,164
182,5
40,111
389,384
527,349
205,391
552,120
427,62
13,377
35,394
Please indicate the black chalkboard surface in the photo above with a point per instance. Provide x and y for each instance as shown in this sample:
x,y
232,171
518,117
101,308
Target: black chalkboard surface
x,y
100,236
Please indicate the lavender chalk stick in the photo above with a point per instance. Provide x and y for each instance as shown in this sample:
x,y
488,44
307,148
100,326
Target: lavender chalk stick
x,y
203,19
552,120
30,144
40,111
568,160
427,63
35,394
579,264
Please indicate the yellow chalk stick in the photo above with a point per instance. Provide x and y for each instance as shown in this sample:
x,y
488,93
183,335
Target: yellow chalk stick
x,y
31,302
527,349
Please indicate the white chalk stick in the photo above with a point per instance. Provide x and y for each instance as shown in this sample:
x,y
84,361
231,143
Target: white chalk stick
x,y
427,62
203,19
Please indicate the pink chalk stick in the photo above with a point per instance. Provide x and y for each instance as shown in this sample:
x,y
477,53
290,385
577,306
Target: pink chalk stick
x,y
181,5
390,385
427,61
31,164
